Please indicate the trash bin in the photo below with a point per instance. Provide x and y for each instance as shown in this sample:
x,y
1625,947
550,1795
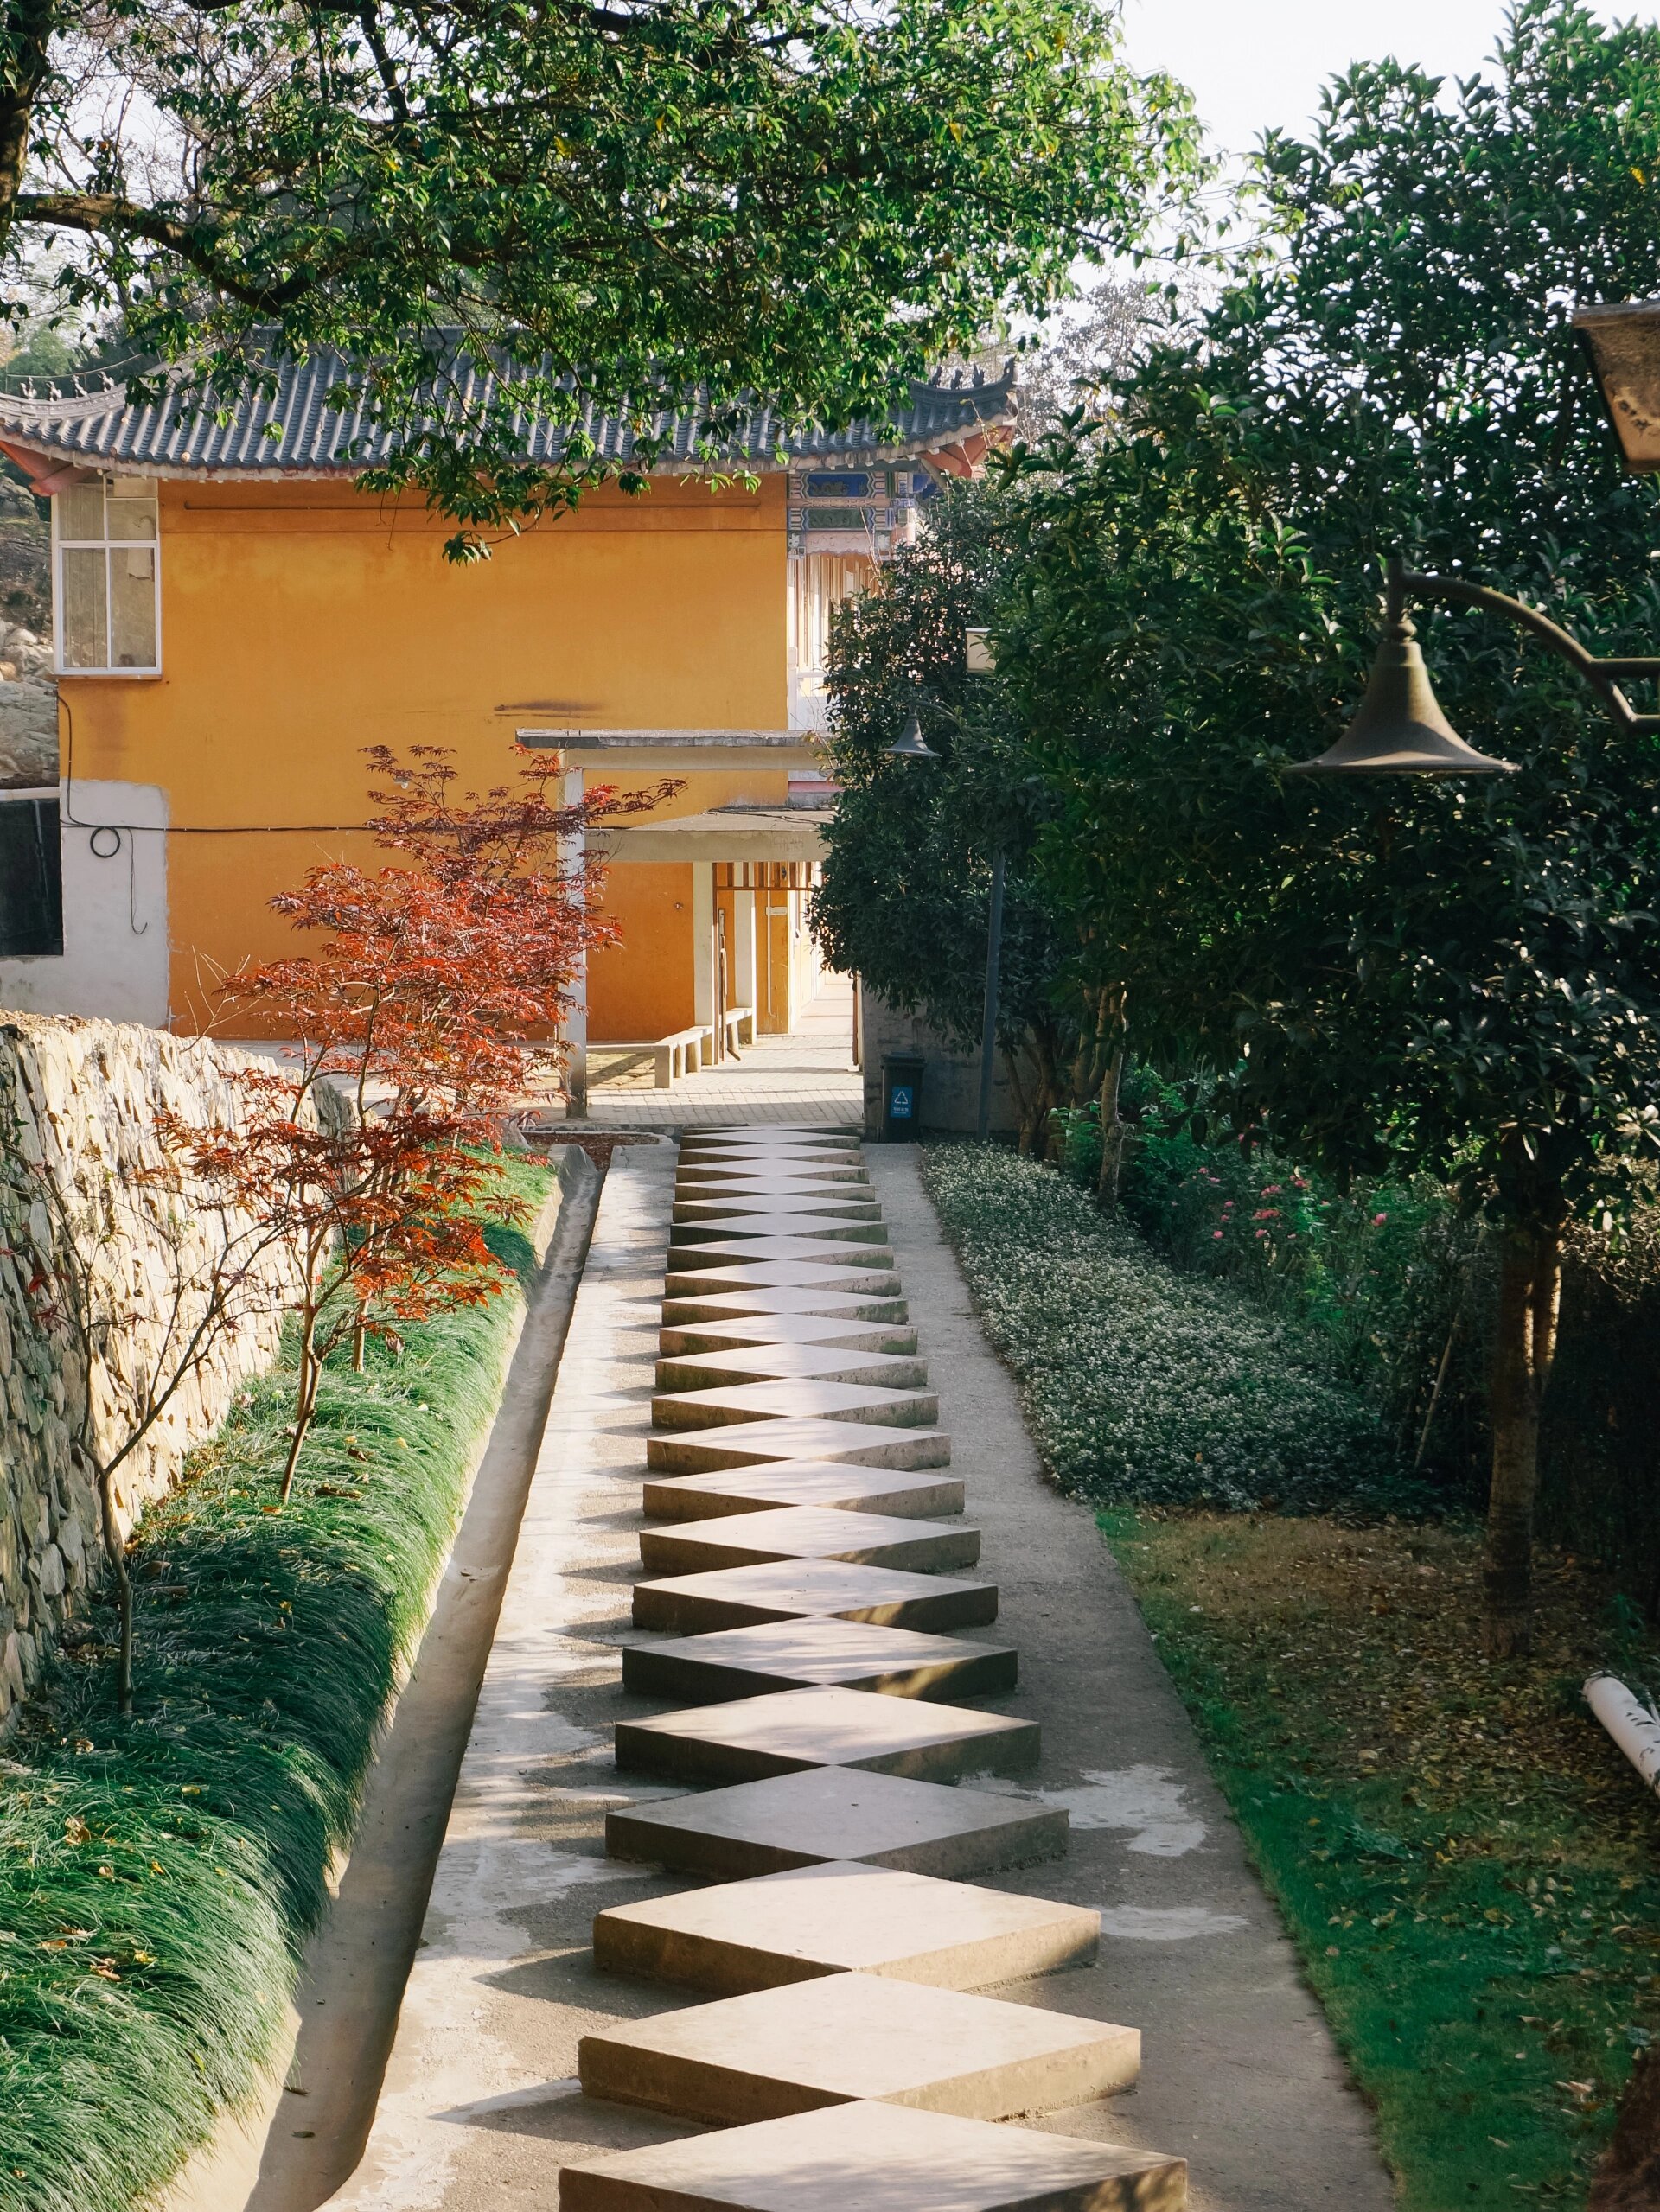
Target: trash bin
x,y
902,1097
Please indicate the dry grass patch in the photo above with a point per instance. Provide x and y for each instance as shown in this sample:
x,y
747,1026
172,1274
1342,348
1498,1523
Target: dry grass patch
x,y
1470,1871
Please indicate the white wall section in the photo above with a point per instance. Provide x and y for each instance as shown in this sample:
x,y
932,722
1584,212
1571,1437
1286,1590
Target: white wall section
x,y
114,961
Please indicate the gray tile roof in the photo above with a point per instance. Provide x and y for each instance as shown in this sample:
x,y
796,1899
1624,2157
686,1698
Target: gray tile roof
x,y
88,419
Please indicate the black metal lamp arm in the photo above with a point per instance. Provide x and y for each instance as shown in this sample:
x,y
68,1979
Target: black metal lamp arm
x,y
1406,583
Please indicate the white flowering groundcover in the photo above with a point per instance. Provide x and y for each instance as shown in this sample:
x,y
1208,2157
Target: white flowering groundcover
x,y
1140,1383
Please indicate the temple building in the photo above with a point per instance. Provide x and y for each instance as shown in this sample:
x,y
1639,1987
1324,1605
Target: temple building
x,y
234,621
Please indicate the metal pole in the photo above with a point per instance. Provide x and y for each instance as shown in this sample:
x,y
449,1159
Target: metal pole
x,y
988,1038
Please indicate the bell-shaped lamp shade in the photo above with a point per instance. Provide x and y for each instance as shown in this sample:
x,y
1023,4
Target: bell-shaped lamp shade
x,y
1400,730
908,745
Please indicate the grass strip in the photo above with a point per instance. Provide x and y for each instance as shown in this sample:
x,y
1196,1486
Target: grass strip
x,y
159,1877
1469,1869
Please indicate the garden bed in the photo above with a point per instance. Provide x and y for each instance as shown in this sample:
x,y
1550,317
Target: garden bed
x,y
1141,1382
158,1877
1470,1871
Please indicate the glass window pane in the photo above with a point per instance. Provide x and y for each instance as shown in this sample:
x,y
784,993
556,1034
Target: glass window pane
x,y
132,607
84,606
31,879
130,509
80,511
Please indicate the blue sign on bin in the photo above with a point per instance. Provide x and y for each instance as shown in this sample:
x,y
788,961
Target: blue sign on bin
x,y
902,1102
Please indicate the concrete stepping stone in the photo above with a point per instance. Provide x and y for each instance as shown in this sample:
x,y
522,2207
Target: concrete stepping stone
x,y
804,1482
804,1401
754,1444
850,1203
796,1251
776,1223
772,1167
746,1300
847,2037
760,1827
840,1180
841,1332
748,1739
791,1363
797,1590
877,2157
843,1916
873,1540
851,1274
796,1654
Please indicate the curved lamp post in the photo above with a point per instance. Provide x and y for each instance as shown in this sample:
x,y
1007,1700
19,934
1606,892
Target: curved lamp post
x,y
911,746
1399,729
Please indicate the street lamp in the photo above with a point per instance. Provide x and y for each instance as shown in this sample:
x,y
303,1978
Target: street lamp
x,y
1399,729
1623,343
909,746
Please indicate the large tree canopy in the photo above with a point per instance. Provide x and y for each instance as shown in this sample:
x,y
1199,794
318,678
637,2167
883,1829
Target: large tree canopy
x,y
618,202
1462,978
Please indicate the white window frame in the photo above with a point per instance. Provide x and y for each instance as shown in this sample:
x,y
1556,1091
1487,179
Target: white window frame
x,y
106,544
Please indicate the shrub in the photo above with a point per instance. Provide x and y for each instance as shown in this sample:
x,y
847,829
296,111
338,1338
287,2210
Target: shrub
x,y
1141,1383
159,1874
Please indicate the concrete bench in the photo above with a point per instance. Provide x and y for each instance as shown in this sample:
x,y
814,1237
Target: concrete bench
x,y
681,1054
734,1021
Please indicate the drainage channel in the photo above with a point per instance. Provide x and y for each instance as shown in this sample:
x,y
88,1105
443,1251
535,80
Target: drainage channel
x,y
358,1962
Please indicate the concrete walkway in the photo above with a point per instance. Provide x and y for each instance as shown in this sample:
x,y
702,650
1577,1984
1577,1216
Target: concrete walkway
x,y
483,2102
807,1077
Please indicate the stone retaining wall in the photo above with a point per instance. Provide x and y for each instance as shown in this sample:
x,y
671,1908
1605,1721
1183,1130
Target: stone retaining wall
x,y
78,1106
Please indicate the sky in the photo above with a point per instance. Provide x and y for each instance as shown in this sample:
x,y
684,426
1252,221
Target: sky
x,y
1254,64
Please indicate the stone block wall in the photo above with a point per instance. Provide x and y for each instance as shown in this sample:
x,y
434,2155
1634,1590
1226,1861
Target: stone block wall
x,y
950,1098
78,1106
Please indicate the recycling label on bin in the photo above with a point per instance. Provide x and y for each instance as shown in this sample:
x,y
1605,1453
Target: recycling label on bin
x,y
902,1102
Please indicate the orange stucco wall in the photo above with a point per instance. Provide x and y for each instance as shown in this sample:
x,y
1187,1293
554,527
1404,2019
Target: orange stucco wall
x,y
301,623
644,987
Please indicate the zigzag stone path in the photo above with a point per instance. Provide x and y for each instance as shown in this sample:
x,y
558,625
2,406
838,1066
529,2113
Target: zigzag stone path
x,y
844,2055
534,1937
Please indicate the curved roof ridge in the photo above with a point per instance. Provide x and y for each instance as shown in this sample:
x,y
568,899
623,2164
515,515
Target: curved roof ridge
x,y
292,431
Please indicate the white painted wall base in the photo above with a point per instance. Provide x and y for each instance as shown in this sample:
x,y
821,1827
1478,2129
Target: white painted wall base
x,y
114,962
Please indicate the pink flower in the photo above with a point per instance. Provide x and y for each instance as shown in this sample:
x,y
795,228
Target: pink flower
x,y
1266,1214
1272,1189
1378,1219
1262,1232
1215,1236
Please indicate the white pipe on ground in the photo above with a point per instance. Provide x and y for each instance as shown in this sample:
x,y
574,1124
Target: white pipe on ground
x,y
1633,1725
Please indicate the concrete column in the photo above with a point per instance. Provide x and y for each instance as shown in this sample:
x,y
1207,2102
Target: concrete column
x,y
745,982
703,940
576,1020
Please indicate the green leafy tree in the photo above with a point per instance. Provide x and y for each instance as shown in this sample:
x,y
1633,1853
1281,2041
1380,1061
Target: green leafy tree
x,y
649,204
907,880
1461,979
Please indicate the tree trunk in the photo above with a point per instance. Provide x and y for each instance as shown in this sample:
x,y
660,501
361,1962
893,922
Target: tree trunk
x,y
1112,1130
1628,2180
305,1401
25,37
1529,1291
115,1550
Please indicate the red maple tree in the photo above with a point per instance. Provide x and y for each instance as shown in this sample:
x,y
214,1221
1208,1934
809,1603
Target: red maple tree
x,y
426,1019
